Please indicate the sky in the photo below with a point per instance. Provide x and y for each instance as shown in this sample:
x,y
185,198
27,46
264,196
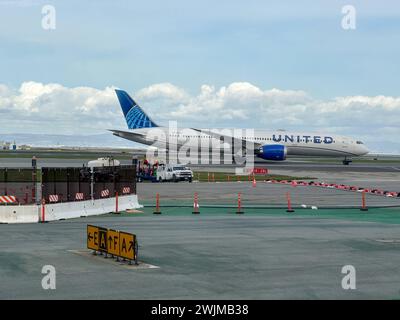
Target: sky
x,y
249,64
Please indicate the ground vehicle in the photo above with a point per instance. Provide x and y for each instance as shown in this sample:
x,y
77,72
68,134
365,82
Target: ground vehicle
x,y
146,171
174,172
103,162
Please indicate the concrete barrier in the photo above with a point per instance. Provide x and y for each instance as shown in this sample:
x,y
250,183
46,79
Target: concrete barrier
x,y
19,214
66,210
76,209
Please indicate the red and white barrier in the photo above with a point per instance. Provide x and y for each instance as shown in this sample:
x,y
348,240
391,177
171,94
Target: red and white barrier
x,y
378,192
343,187
8,199
260,171
79,196
126,190
53,198
105,193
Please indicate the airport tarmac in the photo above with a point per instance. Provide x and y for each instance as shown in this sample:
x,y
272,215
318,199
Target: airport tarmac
x,y
376,175
213,255
266,253
264,194
288,165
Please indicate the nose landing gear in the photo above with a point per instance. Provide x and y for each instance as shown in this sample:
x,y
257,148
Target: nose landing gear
x,y
346,161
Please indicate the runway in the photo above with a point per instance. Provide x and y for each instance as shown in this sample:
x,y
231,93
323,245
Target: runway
x,y
316,166
284,165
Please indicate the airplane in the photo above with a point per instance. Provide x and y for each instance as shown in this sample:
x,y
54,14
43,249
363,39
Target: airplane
x,y
267,144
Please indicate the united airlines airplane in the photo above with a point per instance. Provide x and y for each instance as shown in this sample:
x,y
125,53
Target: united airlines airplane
x,y
268,145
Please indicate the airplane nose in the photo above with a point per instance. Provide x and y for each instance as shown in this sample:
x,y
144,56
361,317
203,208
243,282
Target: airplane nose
x,y
364,150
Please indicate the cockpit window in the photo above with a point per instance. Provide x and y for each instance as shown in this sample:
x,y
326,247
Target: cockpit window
x,y
359,142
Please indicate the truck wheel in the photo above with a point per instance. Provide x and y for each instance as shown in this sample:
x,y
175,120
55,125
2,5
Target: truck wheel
x,y
190,180
174,178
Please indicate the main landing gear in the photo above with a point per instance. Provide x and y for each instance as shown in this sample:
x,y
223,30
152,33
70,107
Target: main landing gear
x,y
346,161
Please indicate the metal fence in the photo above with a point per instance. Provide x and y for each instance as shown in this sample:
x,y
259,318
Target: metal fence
x,y
30,185
62,184
110,180
18,183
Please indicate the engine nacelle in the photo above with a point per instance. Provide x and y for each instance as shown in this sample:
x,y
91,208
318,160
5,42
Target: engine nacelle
x,y
275,152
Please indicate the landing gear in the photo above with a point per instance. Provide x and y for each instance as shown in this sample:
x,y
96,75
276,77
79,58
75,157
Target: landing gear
x,y
346,161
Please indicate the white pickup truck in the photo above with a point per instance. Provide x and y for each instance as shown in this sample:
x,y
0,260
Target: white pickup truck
x,y
174,172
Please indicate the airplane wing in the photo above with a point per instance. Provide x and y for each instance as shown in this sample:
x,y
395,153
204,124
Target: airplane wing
x,y
229,139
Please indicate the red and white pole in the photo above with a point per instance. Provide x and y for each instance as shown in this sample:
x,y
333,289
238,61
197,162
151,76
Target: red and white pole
x,y
157,211
289,203
363,202
196,204
239,205
43,217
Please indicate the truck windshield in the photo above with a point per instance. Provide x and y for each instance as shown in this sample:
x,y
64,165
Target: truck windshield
x,y
179,168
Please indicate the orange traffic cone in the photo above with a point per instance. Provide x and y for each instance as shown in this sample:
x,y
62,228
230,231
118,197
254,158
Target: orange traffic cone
x,y
157,211
289,203
196,204
254,182
239,206
363,205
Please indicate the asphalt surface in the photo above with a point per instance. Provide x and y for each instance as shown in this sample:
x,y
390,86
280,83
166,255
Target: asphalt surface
x,y
206,256
264,194
262,254
292,165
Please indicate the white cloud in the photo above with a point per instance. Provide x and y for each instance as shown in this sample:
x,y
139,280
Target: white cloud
x,y
162,91
54,108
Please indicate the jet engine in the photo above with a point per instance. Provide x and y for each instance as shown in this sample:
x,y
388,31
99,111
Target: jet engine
x,y
275,152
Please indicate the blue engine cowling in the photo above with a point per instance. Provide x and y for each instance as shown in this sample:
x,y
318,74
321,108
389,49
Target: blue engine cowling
x,y
275,152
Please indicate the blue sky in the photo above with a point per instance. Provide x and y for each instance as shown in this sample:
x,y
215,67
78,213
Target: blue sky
x,y
133,44
297,47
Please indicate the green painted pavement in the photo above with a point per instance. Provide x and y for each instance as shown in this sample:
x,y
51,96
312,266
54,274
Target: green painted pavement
x,y
381,215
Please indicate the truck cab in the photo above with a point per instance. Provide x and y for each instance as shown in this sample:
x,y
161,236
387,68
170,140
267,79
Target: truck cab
x,y
174,172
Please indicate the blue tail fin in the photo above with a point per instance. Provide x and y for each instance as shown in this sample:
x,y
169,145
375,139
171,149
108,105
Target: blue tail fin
x,y
134,115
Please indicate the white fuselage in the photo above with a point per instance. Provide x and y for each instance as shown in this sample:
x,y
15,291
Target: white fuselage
x,y
297,143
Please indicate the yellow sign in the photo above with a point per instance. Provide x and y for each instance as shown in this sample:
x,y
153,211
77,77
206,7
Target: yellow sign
x,y
93,237
113,242
117,243
102,240
127,243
